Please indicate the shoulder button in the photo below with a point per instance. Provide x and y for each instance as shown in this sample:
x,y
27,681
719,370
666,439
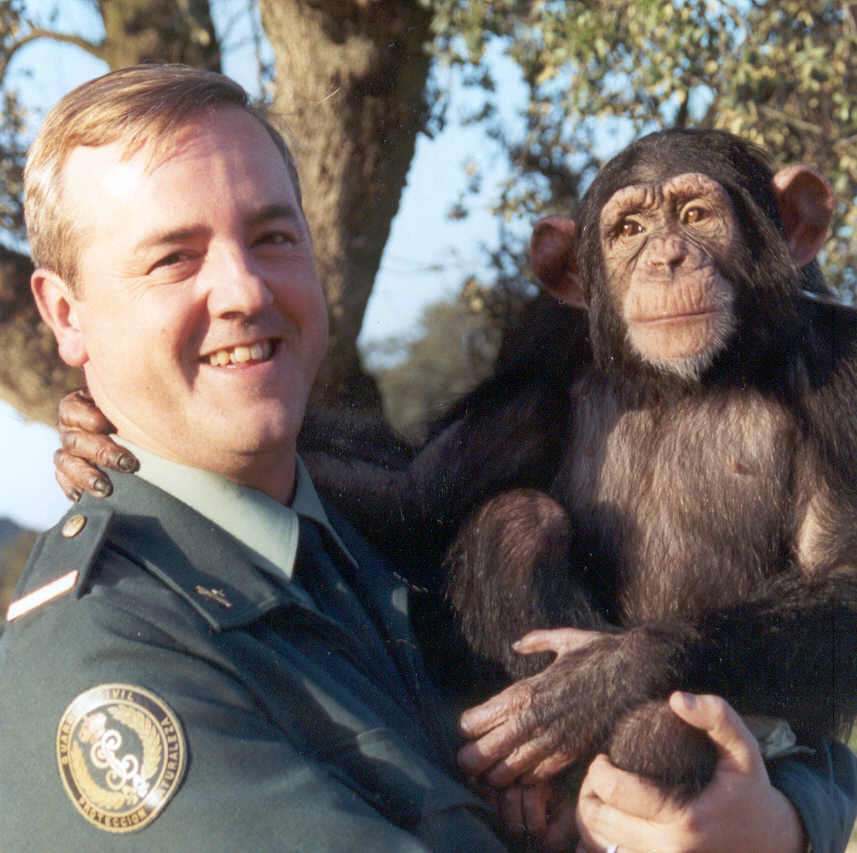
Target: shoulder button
x,y
73,525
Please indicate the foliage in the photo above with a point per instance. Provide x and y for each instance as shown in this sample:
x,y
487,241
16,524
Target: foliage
x,y
453,352
600,72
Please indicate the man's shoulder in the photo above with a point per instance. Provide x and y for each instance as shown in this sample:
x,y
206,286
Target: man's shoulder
x,y
61,561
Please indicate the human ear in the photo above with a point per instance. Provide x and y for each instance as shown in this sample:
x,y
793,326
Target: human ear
x,y
806,208
58,309
553,254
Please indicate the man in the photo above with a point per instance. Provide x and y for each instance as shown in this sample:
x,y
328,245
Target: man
x,y
208,659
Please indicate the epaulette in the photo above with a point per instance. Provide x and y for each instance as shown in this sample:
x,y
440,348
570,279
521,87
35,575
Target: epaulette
x,y
61,560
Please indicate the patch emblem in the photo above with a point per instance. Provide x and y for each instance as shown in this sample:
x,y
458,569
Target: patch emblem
x,y
121,754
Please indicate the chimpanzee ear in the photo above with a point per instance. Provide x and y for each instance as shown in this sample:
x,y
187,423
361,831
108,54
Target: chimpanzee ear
x,y
553,254
806,207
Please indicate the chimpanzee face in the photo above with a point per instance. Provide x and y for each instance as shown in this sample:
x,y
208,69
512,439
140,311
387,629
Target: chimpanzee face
x,y
665,246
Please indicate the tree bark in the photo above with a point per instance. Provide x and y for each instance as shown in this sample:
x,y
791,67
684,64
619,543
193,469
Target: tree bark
x,y
351,77
32,377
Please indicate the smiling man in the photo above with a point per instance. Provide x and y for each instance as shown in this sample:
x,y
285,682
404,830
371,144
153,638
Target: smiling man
x,y
208,659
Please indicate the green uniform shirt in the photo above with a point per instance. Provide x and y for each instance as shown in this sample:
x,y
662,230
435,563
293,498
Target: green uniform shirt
x,y
168,695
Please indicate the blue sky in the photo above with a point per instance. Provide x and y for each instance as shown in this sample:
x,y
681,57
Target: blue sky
x,y
426,258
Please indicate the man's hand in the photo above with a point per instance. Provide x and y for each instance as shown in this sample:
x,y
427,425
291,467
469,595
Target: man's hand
x,y
84,433
739,811
521,733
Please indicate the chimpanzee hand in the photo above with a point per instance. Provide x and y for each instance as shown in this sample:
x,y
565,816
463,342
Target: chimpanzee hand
x,y
534,729
524,729
85,443
540,813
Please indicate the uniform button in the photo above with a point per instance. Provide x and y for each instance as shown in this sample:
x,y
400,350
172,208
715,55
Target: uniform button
x,y
73,526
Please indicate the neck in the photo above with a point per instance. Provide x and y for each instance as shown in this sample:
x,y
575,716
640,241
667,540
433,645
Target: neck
x,y
271,472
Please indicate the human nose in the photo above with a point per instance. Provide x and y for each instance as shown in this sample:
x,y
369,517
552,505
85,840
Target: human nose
x,y
237,288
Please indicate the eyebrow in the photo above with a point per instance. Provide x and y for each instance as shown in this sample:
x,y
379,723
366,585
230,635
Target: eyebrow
x,y
179,235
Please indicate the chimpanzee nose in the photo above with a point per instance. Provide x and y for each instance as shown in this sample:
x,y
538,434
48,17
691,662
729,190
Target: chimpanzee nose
x,y
666,254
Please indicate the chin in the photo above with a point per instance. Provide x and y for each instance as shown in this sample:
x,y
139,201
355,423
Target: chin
x,y
683,351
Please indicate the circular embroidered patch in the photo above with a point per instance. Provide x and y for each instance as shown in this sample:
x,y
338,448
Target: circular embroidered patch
x,y
121,754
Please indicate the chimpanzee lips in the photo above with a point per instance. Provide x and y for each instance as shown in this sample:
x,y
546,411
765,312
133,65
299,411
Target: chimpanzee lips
x,y
665,319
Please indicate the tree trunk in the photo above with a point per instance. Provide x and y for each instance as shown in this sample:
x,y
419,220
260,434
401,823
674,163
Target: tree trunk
x,y
351,77
32,377
159,31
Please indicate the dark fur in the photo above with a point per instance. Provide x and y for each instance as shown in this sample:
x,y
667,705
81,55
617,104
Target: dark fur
x,y
712,530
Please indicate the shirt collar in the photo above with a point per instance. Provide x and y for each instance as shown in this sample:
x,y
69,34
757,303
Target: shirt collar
x,y
266,528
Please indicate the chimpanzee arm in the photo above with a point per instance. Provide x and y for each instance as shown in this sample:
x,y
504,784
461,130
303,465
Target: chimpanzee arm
x,y
509,431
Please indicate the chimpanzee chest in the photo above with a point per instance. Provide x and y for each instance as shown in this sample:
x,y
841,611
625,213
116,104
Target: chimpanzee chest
x,y
677,507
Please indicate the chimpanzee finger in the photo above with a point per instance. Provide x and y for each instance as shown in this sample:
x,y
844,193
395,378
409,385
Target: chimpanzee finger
x,y
68,488
477,756
561,831
535,799
81,475
557,640
521,759
511,810
78,411
98,449
548,768
480,720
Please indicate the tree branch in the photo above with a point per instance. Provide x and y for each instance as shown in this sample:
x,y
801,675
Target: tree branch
x,y
35,33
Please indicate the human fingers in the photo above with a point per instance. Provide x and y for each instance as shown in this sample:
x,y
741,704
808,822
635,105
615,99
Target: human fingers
x,y
79,476
738,749
602,825
556,640
98,449
77,410
626,791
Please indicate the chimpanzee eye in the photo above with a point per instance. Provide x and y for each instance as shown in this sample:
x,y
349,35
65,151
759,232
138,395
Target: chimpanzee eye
x,y
694,214
630,228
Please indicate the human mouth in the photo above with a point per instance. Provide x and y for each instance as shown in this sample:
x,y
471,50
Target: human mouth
x,y
243,354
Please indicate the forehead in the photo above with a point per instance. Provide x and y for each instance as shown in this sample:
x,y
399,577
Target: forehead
x,y
650,195
216,162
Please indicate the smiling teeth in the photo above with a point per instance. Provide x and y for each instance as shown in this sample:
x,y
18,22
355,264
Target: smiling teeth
x,y
260,351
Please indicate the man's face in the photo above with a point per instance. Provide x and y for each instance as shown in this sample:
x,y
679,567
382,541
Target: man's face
x,y
200,311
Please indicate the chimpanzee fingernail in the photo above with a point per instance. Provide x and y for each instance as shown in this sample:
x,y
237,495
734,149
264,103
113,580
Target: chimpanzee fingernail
x,y
101,487
74,495
128,464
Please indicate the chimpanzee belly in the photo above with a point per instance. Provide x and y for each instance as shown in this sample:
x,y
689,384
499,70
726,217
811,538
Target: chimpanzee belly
x,y
680,507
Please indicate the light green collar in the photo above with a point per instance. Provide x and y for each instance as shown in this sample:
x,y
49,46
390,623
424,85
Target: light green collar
x,y
268,529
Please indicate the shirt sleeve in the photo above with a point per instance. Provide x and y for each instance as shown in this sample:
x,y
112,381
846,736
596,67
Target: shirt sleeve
x,y
823,789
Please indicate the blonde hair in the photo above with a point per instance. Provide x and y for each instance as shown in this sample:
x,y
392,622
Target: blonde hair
x,y
140,105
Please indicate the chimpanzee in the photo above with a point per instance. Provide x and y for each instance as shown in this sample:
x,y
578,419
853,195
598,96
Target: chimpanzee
x,y
674,471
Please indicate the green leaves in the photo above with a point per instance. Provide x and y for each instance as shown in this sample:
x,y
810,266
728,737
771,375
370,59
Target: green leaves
x,y
780,72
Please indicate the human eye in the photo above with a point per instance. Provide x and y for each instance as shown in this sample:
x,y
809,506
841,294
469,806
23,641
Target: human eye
x,y
276,237
170,261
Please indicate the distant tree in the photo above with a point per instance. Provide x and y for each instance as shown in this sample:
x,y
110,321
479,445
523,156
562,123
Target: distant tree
x,y
453,350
